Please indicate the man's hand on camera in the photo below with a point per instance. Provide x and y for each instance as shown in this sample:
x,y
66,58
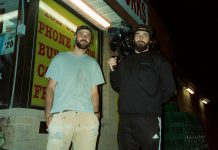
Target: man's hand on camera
x,y
112,62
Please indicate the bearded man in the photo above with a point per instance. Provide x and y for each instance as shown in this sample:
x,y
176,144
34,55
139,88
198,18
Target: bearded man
x,y
72,97
144,80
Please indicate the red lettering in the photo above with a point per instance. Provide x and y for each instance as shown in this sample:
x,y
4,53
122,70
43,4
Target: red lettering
x,y
39,91
69,29
88,51
68,42
52,18
43,92
46,14
58,22
42,70
41,50
91,53
139,7
54,35
41,27
48,31
61,39
45,50
56,52
50,52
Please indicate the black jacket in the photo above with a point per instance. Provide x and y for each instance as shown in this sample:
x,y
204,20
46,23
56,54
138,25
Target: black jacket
x,y
143,81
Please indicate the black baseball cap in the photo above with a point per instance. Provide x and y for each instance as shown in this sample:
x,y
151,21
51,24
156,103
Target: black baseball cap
x,y
143,27
83,27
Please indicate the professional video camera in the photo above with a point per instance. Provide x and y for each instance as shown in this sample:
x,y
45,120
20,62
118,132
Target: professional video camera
x,y
121,39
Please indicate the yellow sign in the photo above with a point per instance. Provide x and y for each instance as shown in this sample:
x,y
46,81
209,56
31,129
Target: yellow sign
x,y
55,32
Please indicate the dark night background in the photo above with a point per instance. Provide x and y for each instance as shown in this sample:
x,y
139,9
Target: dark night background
x,y
193,26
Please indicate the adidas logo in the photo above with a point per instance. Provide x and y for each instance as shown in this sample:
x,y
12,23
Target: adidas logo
x,y
155,137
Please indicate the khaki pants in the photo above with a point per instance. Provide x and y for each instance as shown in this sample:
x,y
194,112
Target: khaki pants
x,y
81,128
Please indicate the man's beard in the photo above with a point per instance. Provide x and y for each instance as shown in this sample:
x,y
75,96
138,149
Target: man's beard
x,y
141,46
83,44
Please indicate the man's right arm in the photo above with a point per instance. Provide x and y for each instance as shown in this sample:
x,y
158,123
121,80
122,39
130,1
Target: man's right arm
x,y
114,74
49,99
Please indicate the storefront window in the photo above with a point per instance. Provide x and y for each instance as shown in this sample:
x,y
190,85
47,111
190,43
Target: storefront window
x,y
55,33
8,24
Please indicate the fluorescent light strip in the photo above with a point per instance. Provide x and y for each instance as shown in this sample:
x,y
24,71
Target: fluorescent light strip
x,y
205,102
8,16
91,13
56,15
190,91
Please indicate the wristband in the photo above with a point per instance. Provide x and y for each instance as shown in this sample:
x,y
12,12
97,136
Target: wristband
x,y
96,112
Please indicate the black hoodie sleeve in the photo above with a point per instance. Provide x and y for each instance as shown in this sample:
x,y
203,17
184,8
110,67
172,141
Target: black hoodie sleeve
x,y
115,79
167,81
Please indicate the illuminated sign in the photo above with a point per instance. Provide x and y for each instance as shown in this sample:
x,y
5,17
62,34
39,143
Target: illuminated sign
x,y
137,9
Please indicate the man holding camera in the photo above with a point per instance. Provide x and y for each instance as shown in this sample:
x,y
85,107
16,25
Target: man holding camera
x,y
144,80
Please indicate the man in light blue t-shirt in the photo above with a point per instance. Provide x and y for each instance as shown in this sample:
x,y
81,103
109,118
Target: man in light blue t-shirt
x,y
72,97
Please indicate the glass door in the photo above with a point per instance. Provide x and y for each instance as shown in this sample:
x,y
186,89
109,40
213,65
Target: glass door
x,y
8,25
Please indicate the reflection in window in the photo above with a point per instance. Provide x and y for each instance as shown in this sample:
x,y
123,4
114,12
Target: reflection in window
x,y
8,24
9,21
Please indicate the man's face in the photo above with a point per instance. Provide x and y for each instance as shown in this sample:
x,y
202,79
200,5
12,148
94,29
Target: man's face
x,y
83,39
141,40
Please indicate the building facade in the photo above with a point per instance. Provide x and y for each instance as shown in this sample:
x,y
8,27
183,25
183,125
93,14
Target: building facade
x,y
32,32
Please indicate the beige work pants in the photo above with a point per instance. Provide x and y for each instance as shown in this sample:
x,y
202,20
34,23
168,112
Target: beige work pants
x,y
81,128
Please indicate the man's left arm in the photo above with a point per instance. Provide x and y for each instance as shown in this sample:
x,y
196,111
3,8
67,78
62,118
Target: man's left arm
x,y
95,100
168,86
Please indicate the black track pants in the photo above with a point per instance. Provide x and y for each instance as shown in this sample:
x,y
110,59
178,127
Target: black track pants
x,y
139,132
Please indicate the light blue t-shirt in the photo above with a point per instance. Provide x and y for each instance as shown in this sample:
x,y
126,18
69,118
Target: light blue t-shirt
x,y
75,76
